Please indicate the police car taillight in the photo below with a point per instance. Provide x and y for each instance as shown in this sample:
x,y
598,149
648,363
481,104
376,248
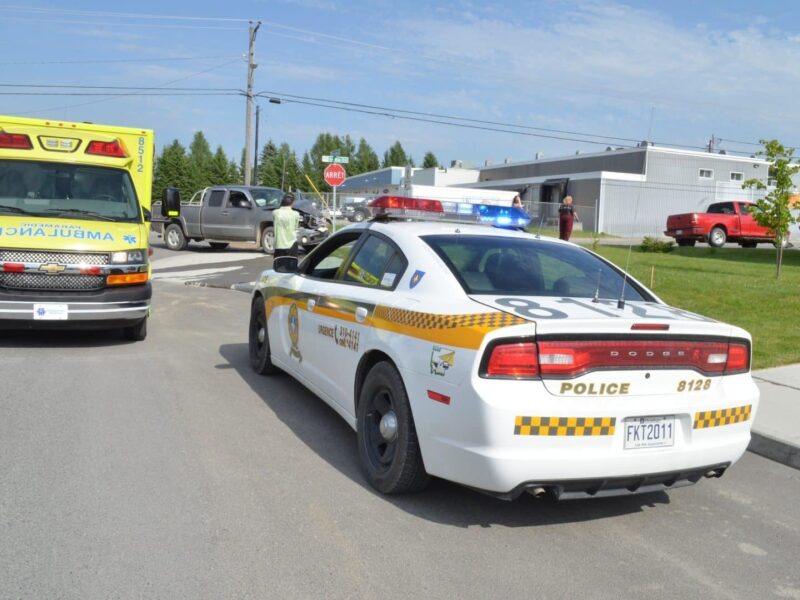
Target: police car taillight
x,y
512,360
15,141
114,149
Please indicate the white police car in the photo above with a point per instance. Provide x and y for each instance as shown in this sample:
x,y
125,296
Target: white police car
x,y
503,361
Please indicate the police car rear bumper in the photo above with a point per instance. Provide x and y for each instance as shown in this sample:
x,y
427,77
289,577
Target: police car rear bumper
x,y
110,307
481,447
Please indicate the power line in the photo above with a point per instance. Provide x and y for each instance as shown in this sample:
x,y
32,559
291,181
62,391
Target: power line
x,y
113,61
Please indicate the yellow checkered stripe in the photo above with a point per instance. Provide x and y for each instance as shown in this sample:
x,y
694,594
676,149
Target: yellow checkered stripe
x,y
565,426
725,416
421,320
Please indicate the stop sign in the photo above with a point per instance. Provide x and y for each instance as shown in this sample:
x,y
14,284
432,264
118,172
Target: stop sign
x,y
334,175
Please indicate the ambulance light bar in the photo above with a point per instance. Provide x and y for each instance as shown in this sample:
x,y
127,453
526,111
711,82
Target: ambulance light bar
x,y
400,207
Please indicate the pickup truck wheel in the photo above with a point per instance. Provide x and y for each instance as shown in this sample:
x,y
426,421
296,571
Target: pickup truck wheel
x,y
359,216
218,245
268,240
136,333
684,243
717,237
260,355
174,238
387,438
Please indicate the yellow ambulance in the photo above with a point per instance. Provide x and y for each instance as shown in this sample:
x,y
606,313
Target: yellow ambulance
x,y
74,206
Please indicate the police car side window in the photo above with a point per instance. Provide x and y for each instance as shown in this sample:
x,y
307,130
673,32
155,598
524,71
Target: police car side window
x,y
324,262
378,263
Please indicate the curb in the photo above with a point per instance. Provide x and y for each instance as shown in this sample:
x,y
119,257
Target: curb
x,y
774,449
247,288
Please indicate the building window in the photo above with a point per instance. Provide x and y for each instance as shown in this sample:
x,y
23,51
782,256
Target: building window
x,y
737,176
706,174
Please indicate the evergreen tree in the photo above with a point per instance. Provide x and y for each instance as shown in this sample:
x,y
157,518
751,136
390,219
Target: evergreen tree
x,y
268,171
395,156
172,170
289,173
366,159
199,162
430,160
219,171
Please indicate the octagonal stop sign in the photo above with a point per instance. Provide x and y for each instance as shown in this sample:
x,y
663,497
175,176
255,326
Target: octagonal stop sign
x,y
334,175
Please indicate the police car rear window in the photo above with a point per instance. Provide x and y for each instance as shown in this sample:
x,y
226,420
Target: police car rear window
x,y
496,265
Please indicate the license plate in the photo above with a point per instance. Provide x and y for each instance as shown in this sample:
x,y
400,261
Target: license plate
x,y
50,312
679,231
649,432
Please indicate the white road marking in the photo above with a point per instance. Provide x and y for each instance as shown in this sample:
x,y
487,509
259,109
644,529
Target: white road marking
x,y
182,276
194,258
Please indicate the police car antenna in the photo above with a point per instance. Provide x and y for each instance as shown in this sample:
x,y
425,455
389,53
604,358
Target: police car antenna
x,y
596,298
621,300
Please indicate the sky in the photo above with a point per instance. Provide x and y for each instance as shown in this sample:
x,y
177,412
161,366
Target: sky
x,y
555,76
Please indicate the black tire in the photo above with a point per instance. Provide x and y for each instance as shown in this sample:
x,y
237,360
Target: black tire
x,y
686,243
136,333
218,245
268,239
359,216
258,340
717,237
392,466
174,239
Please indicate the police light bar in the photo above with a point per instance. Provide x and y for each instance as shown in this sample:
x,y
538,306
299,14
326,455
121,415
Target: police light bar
x,y
400,207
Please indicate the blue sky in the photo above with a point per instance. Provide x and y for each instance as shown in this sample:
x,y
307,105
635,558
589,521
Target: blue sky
x,y
673,72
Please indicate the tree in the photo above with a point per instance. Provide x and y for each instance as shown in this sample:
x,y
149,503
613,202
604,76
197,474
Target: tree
x,y
773,211
429,161
366,159
199,160
172,170
219,170
286,164
268,172
395,156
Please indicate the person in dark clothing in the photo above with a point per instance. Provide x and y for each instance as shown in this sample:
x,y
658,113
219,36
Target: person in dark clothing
x,y
566,217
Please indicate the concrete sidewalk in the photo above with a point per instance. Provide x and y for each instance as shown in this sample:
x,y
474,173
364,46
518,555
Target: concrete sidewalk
x,y
776,429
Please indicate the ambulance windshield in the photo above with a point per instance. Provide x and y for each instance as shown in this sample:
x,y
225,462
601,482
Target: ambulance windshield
x,y
67,191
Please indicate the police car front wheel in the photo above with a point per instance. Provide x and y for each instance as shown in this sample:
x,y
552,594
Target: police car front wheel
x,y
387,438
260,356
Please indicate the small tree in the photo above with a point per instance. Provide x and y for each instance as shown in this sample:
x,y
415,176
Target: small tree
x,y
429,160
773,211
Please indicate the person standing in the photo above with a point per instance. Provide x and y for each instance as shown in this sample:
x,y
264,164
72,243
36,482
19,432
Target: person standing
x,y
516,202
566,217
285,221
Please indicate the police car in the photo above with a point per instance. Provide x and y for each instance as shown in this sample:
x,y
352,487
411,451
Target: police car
x,y
500,360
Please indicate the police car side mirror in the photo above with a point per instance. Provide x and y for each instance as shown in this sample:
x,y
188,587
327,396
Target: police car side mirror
x,y
171,203
285,264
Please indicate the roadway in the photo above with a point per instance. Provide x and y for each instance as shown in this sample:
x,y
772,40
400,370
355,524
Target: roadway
x,y
167,469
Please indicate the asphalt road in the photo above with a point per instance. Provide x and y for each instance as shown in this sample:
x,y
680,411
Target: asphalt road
x,y
167,469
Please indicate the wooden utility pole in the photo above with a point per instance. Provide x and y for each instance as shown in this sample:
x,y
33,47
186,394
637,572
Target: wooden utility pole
x,y
248,122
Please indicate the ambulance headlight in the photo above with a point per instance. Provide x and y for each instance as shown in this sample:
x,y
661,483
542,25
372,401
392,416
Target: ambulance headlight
x,y
129,257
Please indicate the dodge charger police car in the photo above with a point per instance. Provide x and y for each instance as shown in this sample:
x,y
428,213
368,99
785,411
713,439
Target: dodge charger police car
x,y
500,360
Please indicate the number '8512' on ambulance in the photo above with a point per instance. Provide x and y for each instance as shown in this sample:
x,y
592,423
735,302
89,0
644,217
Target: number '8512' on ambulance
x,y
502,361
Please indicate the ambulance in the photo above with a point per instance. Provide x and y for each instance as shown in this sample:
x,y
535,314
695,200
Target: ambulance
x,y
74,205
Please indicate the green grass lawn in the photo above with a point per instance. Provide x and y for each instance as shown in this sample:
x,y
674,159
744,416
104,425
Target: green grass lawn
x,y
734,285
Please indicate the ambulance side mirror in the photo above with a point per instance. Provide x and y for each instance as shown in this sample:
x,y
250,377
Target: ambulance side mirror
x,y
171,203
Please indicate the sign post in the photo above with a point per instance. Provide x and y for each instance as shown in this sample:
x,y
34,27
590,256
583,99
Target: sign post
x,y
334,176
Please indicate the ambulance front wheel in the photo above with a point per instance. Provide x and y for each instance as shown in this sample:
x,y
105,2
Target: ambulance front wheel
x,y
136,333
387,438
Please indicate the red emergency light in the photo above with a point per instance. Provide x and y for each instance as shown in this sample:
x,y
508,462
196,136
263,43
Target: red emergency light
x,y
113,149
395,202
15,141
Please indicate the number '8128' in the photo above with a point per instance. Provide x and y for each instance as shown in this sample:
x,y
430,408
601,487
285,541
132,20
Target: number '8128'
x,y
693,385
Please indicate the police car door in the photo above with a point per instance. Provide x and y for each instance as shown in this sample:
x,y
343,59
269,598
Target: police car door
x,y
345,308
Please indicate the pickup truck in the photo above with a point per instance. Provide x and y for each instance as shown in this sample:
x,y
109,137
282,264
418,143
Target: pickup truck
x,y
723,222
224,214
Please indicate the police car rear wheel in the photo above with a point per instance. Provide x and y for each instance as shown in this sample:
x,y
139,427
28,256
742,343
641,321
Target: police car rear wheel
x,y
387,438
260,356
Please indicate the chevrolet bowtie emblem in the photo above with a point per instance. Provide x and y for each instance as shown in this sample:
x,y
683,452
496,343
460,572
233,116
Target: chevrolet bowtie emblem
x,y
51,268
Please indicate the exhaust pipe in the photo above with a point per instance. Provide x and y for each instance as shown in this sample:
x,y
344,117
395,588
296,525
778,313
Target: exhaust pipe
x,y
537,492
714,473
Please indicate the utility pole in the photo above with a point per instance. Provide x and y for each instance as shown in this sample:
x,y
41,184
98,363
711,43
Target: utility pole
x,y
251,66
255,154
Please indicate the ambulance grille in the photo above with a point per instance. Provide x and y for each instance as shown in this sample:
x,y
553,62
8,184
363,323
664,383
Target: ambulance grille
x,y
42,281
61,258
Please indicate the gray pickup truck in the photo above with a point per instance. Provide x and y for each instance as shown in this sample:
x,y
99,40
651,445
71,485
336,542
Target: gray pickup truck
x,y
224,214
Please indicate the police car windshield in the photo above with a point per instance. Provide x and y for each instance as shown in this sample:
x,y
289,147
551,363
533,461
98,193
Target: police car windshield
x,y
495,265
65,191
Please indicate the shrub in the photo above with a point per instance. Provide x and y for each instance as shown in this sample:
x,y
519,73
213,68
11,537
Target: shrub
x,y
651,244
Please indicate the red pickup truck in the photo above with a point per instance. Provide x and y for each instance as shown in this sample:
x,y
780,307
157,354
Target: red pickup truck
x,y
723,222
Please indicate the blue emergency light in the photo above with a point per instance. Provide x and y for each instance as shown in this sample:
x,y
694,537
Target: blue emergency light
x,y
401,207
